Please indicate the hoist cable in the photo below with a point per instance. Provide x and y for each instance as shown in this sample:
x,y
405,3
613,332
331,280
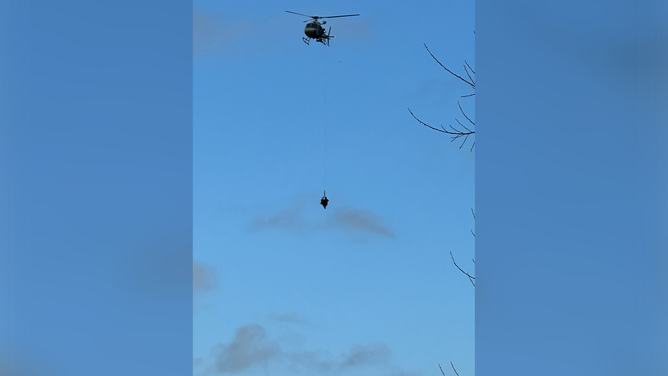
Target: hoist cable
x,y
326,117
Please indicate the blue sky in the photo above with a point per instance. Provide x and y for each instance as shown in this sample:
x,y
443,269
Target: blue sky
x,y
570,184
366,286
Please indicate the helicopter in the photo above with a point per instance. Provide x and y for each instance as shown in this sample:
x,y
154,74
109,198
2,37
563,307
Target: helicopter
x,y
314,29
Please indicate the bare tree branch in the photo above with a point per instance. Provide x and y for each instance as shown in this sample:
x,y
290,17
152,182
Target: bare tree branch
x,y
455,133
462,125
467,64
464,113
463,142
453,368
471,278
472,84
467,73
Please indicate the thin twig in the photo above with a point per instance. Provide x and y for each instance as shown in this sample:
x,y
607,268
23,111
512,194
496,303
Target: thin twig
x,y
427,125
463,126
471,278
456,133
453,368
464,113
463,142
467,64
449,71
467,73
453,128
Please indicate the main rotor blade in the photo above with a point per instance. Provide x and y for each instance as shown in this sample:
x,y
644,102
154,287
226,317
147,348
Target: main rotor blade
x,y
347,15
299,14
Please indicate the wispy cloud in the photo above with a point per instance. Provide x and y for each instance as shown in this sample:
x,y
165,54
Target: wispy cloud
x,y
213,32
355,29
204,277
367,355
289,318
362,221
298,218
249,347
197,362
291,219
252,347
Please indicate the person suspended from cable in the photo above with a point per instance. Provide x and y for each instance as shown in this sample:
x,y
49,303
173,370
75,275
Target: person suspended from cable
x,y
324,200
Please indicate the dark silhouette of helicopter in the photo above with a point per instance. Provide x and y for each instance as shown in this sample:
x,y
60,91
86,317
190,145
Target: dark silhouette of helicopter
x,y
314,29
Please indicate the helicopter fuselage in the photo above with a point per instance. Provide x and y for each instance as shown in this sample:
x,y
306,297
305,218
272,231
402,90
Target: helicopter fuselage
x,y
314,30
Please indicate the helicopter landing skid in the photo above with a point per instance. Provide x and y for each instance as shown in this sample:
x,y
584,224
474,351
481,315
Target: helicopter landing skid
x,y
324,41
